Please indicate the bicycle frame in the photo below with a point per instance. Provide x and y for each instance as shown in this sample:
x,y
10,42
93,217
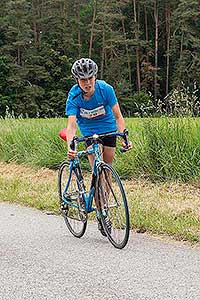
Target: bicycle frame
x,y
75,166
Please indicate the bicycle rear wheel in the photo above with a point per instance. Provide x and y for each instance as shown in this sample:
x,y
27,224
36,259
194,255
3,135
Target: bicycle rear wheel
x,y
113,206
68,189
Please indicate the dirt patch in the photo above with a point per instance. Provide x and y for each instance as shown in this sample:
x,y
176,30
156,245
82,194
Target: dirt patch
x,y
12,169
174,197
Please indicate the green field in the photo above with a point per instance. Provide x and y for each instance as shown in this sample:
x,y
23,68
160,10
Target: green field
x,y
163,148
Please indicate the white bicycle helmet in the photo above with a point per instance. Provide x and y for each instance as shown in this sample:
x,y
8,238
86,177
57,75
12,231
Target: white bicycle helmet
x,y
84,68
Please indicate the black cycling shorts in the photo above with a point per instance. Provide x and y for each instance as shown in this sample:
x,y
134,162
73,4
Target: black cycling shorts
x,y
109,141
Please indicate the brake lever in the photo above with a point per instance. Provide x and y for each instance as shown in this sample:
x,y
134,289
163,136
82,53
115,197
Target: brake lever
x,y
125,137
74,143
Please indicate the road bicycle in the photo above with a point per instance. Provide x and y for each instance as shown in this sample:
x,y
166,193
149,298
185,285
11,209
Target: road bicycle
x,y
106,196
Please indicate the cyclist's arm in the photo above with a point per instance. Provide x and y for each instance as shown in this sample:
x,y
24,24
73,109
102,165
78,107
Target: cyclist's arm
x,y
70,133
119,118
120,124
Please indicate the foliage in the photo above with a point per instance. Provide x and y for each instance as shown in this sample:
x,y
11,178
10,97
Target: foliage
x,y
183,101
39,40
139,105
143,104
186,40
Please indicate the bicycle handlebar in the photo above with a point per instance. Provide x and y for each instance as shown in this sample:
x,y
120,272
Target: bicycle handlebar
x,y
96,137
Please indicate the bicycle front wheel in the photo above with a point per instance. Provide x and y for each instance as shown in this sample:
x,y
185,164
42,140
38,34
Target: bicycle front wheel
x,y
113,205
68,189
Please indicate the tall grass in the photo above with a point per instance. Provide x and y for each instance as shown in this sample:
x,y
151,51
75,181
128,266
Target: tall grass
x,y
163,148
32,141
171,149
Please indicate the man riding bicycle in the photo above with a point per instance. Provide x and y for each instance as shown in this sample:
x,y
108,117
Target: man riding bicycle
x,y
93,105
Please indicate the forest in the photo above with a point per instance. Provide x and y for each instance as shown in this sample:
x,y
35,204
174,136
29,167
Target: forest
x,y
149,50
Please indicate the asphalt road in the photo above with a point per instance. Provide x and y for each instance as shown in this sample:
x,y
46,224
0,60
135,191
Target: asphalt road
x,y
40,259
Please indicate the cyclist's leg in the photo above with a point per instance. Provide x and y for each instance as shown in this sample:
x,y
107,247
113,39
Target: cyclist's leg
x,y
108,154
109,145
100,226
108,157
91,159
108,150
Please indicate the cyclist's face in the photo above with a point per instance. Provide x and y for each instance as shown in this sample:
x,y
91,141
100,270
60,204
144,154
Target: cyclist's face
x,y
87,84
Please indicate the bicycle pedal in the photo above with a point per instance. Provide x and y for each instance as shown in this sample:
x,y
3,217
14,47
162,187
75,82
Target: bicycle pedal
x,y
81,204
63,206
71,196
83,215
104,213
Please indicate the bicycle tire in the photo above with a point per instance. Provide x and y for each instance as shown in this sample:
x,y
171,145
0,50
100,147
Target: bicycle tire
x,y
113,205
72,216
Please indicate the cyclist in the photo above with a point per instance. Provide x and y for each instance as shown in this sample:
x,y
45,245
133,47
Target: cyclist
x,y
93,105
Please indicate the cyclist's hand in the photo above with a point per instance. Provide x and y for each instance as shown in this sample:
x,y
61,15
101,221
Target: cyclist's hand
x,y
126,147
72,154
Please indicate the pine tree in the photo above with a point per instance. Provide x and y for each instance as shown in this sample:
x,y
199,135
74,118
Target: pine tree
x,y
186,42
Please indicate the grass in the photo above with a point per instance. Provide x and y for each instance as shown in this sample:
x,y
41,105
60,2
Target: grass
x,y
162,171
172,149
32,141
169,208
28,186
165,208
163,148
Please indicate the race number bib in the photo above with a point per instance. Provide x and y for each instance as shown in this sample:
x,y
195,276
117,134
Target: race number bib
x,y
93,113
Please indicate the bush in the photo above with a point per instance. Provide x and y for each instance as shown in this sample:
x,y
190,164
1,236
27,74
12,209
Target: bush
x,y
183,101
140,105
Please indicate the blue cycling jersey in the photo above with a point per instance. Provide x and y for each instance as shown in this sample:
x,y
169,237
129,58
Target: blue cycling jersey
x,y
94,115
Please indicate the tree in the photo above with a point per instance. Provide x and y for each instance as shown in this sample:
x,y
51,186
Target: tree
x,y
92,26
147,45
156,50
186,42
137,47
